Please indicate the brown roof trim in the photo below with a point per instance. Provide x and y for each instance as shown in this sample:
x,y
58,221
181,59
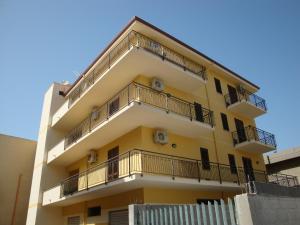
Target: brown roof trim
x,y
169,36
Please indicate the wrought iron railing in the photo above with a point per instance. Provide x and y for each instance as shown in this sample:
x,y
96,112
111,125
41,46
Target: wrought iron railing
x,y
283,179
135,39
251,133
140,162
135,92
245,95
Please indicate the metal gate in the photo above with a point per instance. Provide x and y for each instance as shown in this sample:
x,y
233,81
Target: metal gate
x,y
213,213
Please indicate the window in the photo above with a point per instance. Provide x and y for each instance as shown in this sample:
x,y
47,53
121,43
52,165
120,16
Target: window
x,y
218,85
224,121
94,211
205,158
114,106
232,164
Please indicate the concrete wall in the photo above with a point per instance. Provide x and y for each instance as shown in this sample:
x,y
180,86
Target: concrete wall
x,y
45,177
267,209
16,165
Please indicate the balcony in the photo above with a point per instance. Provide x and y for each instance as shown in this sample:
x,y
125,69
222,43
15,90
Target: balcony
x,y
245,103
252,139
135,54
135,105
139,168
283,180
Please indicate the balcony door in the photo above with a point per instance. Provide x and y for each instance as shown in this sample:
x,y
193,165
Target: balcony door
x,y
113,164
240,129
232,94
199,112
248,169
71,184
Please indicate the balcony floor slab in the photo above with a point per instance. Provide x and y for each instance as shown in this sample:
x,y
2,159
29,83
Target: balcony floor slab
x,y
132,116
134,182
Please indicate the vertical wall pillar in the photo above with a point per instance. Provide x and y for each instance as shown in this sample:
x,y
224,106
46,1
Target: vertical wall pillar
x,y
44,175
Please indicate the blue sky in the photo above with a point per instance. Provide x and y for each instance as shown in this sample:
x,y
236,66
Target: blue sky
x,y
46,41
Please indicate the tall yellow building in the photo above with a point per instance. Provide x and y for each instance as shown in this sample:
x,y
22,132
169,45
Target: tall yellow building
x,y
151,120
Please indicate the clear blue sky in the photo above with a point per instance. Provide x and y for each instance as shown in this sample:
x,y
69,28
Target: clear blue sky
x,y
55,40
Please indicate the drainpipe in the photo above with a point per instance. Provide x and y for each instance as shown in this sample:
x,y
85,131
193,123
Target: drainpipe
x,y
16,200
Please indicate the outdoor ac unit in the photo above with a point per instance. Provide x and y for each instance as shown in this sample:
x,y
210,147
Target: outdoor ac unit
x,y
92,156
161,136
157,84
95,114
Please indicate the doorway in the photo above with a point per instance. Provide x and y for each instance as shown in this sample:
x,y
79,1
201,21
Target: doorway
x,y
240,129
113,164
248,169
232,94
71,184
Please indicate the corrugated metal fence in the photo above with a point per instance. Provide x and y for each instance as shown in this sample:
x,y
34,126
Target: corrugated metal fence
x,y
213,213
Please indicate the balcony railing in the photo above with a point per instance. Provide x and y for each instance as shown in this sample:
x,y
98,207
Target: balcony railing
x,y
135,39
283,179
245,95
142,162
135,92
251,133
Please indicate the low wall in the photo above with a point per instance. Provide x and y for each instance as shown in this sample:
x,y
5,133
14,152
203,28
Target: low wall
x,y
253,209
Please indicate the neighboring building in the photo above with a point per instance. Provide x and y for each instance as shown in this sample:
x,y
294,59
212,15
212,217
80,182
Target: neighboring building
x,y
151,120
16,163
285,162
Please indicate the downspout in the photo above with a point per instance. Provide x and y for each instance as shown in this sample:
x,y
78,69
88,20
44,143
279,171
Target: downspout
x,y
16,200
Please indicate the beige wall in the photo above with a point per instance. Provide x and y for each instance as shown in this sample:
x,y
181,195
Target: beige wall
x,y
16,166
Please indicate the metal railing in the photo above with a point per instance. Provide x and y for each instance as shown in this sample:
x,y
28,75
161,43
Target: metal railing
x,y
245,95
135,39
135,92
141,162
283,179
251,133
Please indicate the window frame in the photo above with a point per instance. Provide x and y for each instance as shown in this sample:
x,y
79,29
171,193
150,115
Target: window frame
x,y
205,161
93,213
224,120
232,164
218,86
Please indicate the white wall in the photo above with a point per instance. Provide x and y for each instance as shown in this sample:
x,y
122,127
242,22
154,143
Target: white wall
x,y
45,176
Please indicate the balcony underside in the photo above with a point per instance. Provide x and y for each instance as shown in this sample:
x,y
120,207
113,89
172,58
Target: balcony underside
x,y
52,196
246,108
135,62
122,122
254,147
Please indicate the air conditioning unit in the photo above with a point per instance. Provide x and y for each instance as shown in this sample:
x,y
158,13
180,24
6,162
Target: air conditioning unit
x,y
161,136
157,84
92,156
95,114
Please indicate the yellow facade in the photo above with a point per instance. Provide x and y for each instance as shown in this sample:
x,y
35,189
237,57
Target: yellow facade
x,y
115,108
219,145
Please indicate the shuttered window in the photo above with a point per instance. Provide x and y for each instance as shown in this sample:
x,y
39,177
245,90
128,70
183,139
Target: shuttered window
x,y
74,220
118,217
224,121
218,85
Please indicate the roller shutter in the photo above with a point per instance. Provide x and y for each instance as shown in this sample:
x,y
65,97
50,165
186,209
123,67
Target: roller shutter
x,y
74,220
118,217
